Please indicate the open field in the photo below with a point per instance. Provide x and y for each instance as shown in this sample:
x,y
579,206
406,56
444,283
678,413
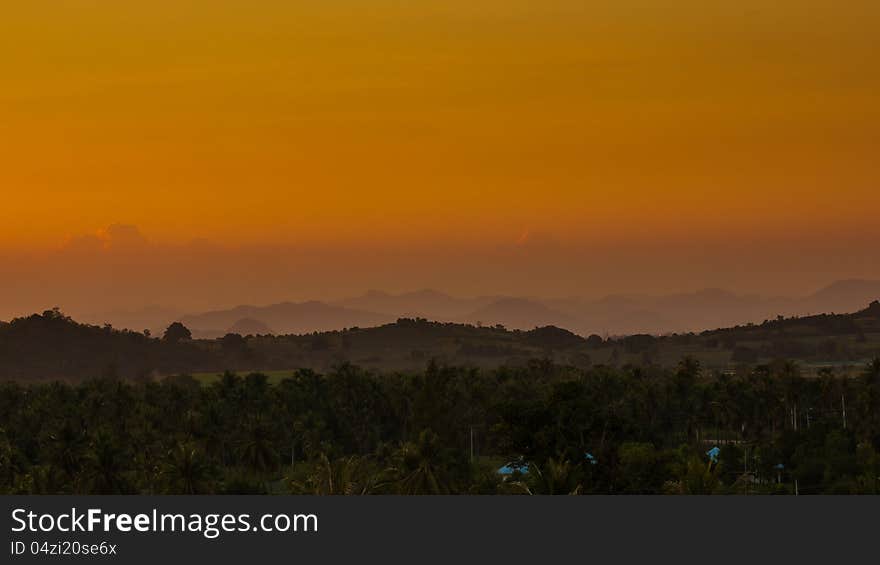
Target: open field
x,y
275,376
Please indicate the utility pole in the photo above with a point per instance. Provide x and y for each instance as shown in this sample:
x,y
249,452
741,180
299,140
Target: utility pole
x,y
843,406
472,444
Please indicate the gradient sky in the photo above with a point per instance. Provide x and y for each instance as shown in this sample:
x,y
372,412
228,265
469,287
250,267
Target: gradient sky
x,y
728,144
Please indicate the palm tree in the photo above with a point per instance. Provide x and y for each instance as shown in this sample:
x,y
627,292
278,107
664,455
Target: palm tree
x,y
186,471
103,470
421,466
558,476
869,400
699,478
256,450
7,463
348,475
44,479
65,449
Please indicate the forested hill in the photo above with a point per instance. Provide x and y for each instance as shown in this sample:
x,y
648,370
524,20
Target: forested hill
x,y
52,346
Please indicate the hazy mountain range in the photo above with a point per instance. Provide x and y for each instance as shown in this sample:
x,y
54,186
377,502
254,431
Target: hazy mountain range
x,y
611,315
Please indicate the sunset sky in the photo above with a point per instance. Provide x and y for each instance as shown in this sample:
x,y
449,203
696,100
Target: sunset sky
x,y
268,150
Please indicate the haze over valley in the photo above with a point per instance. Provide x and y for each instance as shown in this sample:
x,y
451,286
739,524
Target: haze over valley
x,y
608,316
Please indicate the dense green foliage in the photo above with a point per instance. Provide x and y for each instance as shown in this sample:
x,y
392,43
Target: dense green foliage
x,y
448,430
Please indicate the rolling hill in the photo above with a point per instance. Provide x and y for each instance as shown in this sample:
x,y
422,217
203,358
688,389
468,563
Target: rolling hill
x,y
52,346
283,318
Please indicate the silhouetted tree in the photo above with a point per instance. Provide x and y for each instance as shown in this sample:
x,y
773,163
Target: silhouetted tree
x,y
176,333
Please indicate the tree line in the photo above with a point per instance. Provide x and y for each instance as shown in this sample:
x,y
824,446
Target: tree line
x,y
554,429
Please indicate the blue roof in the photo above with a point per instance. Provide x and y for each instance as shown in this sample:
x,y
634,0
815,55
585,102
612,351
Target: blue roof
x,y
713,453
589,457
511,468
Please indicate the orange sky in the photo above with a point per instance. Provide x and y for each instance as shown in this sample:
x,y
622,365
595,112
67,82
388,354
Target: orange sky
x,y
436,125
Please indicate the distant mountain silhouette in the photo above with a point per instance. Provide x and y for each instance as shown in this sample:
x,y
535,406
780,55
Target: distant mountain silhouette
x,y
707,309
249,326
284,318
841,296
426,303
154,318
519,313
704,309
623,314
